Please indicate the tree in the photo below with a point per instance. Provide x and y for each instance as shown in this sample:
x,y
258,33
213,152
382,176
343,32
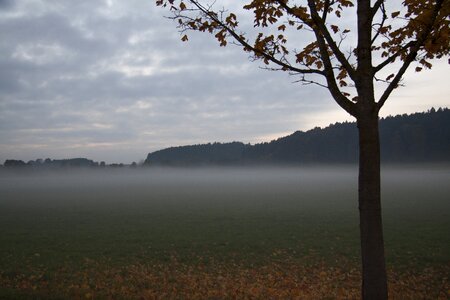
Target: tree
x,y
360,79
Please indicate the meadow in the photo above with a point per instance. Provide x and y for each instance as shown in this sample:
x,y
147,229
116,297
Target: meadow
x,y
217,233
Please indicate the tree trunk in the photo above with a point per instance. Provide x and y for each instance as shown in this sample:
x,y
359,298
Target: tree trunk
x,y
374,284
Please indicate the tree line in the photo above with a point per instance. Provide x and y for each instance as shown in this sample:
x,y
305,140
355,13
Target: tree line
x,y
61,164
416,138
419,137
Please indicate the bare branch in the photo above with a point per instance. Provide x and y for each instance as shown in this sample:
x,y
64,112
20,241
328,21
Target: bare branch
x,y
309,82
327,5
385,81
384,18
377,6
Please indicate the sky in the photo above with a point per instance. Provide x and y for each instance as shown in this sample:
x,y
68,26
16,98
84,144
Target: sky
x,y
111,81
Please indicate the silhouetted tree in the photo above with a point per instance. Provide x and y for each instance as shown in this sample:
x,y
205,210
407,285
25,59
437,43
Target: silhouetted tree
x,y
419,137
416,30
14,163
206,154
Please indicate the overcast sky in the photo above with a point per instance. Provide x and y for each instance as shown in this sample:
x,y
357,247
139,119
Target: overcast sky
x,y
111,80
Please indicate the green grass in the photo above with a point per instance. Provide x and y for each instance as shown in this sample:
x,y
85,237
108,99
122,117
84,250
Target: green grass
x,y
252,217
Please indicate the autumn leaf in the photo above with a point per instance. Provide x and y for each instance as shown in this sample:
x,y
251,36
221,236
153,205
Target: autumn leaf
x,y
395,14
334,28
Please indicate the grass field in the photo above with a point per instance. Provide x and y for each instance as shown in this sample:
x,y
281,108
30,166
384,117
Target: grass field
x,y
216,233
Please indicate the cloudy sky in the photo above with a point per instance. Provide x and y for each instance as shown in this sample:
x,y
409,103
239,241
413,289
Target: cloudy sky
x,y
111,80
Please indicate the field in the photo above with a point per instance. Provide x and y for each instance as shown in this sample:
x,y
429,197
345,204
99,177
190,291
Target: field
x,y
217,233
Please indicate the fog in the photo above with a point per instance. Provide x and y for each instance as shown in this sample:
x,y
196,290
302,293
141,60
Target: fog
x,y
148,214
323,187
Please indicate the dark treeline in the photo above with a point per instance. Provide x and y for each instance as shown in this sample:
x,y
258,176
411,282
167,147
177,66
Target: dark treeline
x,y
420,137
60,164
416,138
216,153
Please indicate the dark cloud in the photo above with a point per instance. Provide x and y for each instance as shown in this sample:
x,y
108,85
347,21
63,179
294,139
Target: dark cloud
x,y
6,4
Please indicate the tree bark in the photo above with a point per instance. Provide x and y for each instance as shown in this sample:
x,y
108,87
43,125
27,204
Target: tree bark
x,y
374,283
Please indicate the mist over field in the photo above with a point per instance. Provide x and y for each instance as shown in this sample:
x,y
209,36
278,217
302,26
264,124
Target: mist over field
x,y
271,201
162,192
57,223
219,185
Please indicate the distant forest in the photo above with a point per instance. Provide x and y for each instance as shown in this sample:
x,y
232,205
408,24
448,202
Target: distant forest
x,y
60,164
420,137
416,138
